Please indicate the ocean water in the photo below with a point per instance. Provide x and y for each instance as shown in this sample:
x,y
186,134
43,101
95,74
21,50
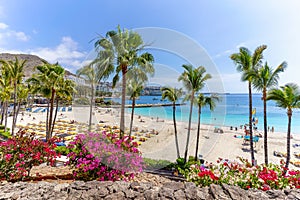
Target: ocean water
x,y
232,110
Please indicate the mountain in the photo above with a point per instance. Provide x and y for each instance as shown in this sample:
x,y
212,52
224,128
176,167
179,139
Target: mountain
x,y
31,63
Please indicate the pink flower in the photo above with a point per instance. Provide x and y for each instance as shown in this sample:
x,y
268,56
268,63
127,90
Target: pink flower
x,y
8,157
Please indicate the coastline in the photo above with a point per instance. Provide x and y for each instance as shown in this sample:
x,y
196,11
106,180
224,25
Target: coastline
x,y
228,145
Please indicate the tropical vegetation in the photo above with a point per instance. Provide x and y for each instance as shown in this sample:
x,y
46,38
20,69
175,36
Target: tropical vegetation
x,y
193,80
287,97
173,95
265,78
202,101
245,63
123,50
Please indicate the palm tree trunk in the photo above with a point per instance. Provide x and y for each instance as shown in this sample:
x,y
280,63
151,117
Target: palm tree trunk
x,y
175,130
51,113
5,115
265,126
2,113
47,118
250,125
288,140
189,128
91,107
17,113
122,120
55,115
14,114
198,133
132,114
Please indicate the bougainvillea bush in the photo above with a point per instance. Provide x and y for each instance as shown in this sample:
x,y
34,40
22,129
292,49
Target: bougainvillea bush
x,y
104,156
242,174
20,153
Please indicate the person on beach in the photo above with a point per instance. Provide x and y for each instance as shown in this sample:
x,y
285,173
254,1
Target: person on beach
x,y
272,129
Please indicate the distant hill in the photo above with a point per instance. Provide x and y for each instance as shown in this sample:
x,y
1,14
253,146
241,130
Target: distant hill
x,y
31,63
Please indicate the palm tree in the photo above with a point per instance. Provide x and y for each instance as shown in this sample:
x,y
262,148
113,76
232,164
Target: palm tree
x,y
265,78
193,80
15,72
173,95
121,50
134,90
94,72
5,94
47,82
202,101
64,93
287,97
245,63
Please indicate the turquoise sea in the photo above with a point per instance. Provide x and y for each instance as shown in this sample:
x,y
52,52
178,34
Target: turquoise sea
x,y
232,110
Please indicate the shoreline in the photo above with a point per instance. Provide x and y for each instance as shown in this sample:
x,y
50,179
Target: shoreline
x,y
162,146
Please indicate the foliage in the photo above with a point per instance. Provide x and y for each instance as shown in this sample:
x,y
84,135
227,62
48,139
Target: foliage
x,y
157,164
21,152
242,174
180,165
62,150
5,134
103,156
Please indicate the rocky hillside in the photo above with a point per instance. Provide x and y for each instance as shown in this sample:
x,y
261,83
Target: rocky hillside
x,y
31,63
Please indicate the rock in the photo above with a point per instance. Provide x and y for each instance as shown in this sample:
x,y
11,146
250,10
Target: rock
x,y
235,192
174,185
135,190
179,194
130,194
151,195
275,194
196,193
166,192
118,195
61,187
102,191
217,192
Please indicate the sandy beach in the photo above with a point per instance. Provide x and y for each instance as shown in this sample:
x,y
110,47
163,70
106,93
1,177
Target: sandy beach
x,y
228,144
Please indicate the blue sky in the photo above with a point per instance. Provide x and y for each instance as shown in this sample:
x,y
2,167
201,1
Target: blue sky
x,y
61,31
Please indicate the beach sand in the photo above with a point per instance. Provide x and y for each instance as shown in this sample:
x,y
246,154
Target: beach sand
x,y
162,146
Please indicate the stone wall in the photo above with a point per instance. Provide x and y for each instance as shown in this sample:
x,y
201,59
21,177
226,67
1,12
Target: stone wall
x,y
134,190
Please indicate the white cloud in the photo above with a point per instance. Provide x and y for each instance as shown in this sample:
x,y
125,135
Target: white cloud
x,y
8,34
3,25
66,53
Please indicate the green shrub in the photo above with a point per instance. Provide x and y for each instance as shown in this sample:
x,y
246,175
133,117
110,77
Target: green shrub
x,y
2,128
157,164
184,167
5,134
62,150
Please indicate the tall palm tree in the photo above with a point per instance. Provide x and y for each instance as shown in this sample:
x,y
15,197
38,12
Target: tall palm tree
x,y
134,90
245,62
5,94
94,72
193,80
16,73
202,101
46,82
121,49
173,95
265,78
287,97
